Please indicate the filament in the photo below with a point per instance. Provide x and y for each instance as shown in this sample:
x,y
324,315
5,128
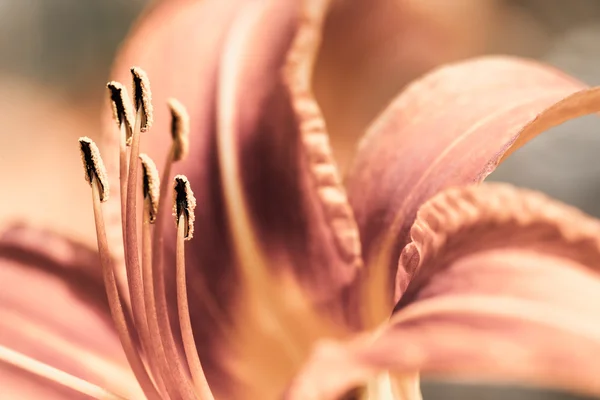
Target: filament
x,y
187,334
114,301
63,378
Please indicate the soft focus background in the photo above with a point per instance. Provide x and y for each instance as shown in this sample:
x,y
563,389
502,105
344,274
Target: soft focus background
x,y
55,57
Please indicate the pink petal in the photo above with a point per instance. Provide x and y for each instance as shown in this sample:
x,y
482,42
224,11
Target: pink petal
x,y
53,309
506,289
453,127
373,48
224,61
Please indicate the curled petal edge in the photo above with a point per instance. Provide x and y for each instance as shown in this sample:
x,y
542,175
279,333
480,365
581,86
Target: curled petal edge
x,y
528,333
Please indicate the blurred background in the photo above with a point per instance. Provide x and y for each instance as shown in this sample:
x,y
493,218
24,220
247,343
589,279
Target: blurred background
x,y
55,57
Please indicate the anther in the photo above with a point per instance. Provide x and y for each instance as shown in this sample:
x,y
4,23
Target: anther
x,y
142,97
180,129
121,105
94,166
184,204
151,185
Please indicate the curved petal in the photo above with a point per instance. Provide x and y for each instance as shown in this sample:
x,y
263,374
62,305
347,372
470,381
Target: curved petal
x,y
373,48
259,151
53,309
506,290
452,127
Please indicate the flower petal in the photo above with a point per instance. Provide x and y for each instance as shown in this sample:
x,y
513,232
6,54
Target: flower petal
x,y
506,289
373,48
259,163
452,127
53,309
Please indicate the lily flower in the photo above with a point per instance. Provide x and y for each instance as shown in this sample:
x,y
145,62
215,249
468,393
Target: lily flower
x,y
275,279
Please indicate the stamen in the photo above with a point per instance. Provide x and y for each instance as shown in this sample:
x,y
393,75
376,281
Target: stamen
x,y
183,207
123,115
180,129
93,165
142,97
151,187
132,262
123,170
158,321
108,272
151,184
121,105
63,378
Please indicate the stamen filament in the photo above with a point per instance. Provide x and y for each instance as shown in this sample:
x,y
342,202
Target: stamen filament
x,y
134,276
159,323
13,322
53,374
123,167
154,351
114,300
187,334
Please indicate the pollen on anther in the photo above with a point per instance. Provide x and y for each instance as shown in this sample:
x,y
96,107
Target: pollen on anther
x,y
94,166
184,202
121,105
142,97
180,129
151,182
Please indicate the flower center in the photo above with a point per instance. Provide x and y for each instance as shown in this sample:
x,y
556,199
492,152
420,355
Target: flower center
x,y
144,329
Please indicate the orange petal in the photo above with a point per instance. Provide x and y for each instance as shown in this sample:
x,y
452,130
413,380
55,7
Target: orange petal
x,y
506,289
452,127
53,309
258,149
